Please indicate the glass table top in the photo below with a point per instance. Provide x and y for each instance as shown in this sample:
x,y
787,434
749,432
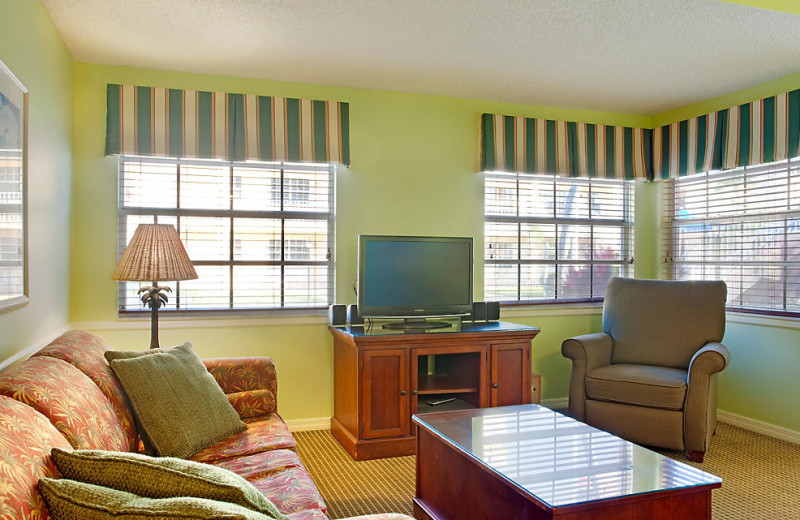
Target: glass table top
x,y
557,459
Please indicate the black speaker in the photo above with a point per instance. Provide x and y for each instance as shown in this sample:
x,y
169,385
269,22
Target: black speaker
x,y
479,311
492,311
353,316
337,315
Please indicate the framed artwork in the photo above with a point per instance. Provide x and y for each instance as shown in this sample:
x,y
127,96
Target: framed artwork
x,y
13,191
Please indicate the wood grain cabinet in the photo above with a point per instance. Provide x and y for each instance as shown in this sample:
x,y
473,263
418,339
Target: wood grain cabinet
x,y
382,377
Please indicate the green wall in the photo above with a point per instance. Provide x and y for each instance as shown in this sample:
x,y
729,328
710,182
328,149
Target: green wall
x,y
33,50
414,164
414,172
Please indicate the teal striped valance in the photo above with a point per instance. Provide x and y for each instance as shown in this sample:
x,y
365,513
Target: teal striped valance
x,y
213,125
527,145
763,131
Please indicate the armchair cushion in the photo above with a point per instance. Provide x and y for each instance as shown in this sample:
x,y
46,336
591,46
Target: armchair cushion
x,y
657,322
642,385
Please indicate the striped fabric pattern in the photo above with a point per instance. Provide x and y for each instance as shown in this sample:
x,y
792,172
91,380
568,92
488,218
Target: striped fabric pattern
x,y
528,145
163,122
762,131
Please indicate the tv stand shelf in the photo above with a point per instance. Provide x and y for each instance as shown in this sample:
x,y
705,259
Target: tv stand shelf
x,y
382,377
443,384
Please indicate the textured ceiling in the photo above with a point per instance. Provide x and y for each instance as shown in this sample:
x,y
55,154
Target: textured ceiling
x,y
627,56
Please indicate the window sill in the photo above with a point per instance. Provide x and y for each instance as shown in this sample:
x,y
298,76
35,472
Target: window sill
x,y
764,320
205,320
550,309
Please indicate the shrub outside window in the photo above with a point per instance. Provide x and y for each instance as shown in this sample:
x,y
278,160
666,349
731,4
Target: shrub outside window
x,y
550,239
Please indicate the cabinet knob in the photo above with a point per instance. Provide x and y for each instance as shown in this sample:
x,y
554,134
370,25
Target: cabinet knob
x,y
402,392
414,392
494,385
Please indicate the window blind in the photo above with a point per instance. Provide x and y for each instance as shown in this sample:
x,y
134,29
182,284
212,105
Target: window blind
x,y
741,226
260,235
555,239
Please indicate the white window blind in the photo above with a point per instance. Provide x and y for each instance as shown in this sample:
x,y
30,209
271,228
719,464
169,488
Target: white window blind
x,y
12,241
551,239
741,226
260,235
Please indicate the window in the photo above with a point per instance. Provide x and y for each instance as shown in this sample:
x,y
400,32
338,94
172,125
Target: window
x,y
260,235
12,236
741,226
550,239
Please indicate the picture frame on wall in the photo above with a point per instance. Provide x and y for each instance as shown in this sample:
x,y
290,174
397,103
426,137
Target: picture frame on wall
x,y
13,191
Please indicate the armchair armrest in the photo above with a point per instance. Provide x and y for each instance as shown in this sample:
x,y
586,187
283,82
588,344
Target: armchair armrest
x,y
700,411
710,359
587,352
250,383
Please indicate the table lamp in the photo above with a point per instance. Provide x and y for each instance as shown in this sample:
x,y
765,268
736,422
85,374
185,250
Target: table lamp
x,y
154,253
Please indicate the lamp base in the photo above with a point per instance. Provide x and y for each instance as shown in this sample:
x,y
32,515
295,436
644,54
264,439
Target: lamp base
x,y
154,296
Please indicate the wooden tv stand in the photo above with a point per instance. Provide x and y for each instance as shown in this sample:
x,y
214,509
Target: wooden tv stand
x,y
382,377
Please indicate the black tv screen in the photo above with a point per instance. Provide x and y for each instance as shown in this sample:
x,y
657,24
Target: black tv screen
x,y
414,276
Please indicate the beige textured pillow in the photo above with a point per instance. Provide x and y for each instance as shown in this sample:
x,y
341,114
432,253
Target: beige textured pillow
x,y
179,406
70,500
161,477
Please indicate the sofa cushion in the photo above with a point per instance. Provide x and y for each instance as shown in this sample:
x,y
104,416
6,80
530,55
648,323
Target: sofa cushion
x,y
179,405
69,399
262,434
26,438
281,476
71,500
161,477
84,350
254,467
308,514
644,385
291,489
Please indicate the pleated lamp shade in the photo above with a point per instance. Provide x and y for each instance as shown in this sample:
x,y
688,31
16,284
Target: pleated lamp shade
x,y
155,253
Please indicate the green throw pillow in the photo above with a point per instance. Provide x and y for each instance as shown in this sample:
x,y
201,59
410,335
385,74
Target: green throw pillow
x,y
179,406
70,500
161,477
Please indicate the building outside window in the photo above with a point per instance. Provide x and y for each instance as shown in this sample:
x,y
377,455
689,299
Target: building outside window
x,y
551,239
260,235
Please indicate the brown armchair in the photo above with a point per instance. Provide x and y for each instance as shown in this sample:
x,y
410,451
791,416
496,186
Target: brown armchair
x,y
650,376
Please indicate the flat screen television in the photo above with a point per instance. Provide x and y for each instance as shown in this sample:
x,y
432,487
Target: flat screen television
x,y
414,278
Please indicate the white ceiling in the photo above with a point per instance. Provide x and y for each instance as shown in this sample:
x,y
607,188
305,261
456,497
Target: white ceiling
x,y
626,56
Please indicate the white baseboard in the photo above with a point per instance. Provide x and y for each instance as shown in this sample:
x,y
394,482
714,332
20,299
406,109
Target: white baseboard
x,y
315,423
558,403
754,425
31,349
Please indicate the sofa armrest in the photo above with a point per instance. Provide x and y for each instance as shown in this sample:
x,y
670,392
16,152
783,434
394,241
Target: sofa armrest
x,y
250,383
700,410
587,352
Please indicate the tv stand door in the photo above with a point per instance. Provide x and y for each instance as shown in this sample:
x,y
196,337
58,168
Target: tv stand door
x,y
510,379
386,399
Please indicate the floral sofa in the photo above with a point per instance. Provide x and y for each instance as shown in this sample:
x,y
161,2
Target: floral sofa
x,y
66,396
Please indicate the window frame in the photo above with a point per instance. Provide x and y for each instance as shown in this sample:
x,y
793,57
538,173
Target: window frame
x,y
669,226
232,214
626,224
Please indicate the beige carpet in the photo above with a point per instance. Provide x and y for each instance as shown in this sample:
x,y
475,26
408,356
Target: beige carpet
x,y
761,476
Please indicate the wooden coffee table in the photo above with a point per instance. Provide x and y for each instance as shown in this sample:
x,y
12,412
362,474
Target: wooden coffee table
x,y
529,462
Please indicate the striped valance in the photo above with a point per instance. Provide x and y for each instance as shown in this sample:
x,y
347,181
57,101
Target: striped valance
x,y
528,145
213,125
763,131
